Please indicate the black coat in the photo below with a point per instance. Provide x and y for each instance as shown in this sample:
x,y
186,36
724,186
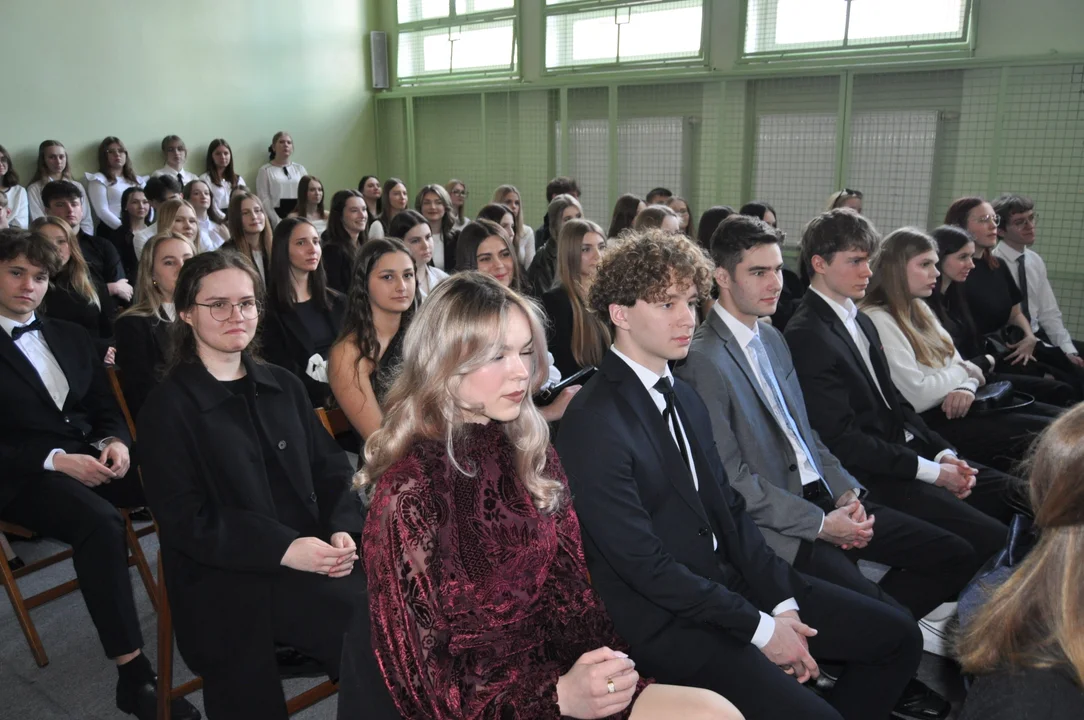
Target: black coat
x,y
285,341
31,425
844,406
558,308
338,261
64,303
102,258
142,344
207,485
647,532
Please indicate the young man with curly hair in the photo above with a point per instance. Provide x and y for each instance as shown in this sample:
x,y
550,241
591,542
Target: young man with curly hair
x,y
679,563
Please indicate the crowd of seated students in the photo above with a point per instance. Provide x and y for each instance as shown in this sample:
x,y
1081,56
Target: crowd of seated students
x,y
721,524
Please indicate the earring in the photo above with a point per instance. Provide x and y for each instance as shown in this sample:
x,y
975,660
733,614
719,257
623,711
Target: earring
x,y
154,282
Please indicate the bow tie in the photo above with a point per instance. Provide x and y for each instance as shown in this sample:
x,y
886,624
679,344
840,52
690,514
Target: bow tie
x,y
20,330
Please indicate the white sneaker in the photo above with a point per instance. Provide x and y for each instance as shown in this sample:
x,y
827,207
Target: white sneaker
x,y
937,630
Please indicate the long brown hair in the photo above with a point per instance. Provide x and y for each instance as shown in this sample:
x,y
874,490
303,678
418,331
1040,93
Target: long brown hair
x,y
41,172
75,273
237,226
228,173
148,298
103,161
1036,618
590,336
890,291
957,215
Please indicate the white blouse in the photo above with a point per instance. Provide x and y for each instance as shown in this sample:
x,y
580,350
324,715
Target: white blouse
x,y
923,386
37,208
376,230
209,236
167,170
433,277
274,183
18,206
222,191
525,247
105,197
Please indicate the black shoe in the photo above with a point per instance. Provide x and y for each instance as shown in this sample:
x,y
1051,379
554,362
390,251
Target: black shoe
x,y
141,700
141,515
919,702
294,664
16,563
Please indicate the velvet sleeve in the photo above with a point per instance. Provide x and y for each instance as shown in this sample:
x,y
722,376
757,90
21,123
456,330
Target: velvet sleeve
x,y
432,660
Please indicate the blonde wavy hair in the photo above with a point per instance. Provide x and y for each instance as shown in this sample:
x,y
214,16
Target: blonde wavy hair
x,y
148,298
458,330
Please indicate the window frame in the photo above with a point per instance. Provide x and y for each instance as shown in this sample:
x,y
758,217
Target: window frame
x,y
462,22
573,7
963,46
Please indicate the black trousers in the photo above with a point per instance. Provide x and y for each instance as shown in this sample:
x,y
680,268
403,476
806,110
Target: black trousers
x,y
878,645
999,440
930,565
304,610
1043,389
55,505
362,691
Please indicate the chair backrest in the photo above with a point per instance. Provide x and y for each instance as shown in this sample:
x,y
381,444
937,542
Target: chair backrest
x,y
334,421
118,393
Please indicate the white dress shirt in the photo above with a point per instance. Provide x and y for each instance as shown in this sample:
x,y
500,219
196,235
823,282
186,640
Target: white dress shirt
x,y
221,192
105,197
275,183
19,206
766,627
143,237
167,170
928,470
1042,304
36,350
37,208
376,230
209,236
432,278
438,250
525,247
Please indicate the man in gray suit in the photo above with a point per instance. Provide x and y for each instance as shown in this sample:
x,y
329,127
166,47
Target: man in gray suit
x,y
812,512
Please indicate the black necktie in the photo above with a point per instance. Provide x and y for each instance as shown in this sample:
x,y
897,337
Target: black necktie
x,y
670,414
1022,272
180,179
20,330
286,170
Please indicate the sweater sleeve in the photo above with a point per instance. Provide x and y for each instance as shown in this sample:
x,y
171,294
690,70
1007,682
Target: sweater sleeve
x,y
264,192
99,199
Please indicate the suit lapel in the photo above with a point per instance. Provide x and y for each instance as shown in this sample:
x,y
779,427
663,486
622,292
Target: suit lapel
x,y
23,367
734,348
878,360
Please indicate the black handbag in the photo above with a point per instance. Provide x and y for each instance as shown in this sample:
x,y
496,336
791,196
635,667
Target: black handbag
x,y
992,396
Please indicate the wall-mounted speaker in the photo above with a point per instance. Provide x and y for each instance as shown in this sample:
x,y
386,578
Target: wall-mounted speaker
x,y
378,48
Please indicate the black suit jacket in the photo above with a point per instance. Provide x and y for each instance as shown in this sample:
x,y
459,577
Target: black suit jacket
x,y
102,258
142,344
287,342
338,261
31,425
844,406
64,303
647,532
559,330
206,482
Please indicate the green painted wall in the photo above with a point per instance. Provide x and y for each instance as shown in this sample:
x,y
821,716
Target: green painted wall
x,y
77,71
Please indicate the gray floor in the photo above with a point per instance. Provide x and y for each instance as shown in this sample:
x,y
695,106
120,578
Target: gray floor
x,y
78,683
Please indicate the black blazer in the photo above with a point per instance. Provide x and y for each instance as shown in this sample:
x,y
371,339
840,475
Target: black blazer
x,y
206,482
31,425
338,261
265,271
142,344
647,532
286,342
558,308
844,406
102,258
64,303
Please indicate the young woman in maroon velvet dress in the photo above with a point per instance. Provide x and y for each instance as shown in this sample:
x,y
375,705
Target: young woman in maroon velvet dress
x,y
479,597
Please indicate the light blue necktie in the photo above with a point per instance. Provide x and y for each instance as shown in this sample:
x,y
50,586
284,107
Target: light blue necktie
x,y
775,398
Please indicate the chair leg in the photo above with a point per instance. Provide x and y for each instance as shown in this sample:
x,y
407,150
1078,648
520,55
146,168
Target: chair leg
x,y
140,559
165,648
310,697
23,615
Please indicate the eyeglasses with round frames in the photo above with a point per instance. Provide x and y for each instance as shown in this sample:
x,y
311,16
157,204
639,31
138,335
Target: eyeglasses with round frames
x,y
222,310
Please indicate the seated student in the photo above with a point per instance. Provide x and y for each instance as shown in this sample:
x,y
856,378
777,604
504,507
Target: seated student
x,y
457,191
924,365
557,186
658,196
159,190
482,607
1023,642
178,216
277,180
5,213
681,567
415,233
433,203
62,199
220,174
370,189
684,211
574,335
105,187
135,209
626,209
251,496
543,269
366,356
793,287
709,222
142,331
346,223
859,413
213,232
175,154
657,216
73,293
250,233
53,165
310,202
846,198
526,246
303,316
813,512
66,461
1017,221
503,216
18,206
393,200
955,261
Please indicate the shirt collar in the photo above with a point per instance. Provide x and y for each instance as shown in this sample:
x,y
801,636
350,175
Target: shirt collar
x,y
846,312
9,325
647,376
744,335
1008,252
